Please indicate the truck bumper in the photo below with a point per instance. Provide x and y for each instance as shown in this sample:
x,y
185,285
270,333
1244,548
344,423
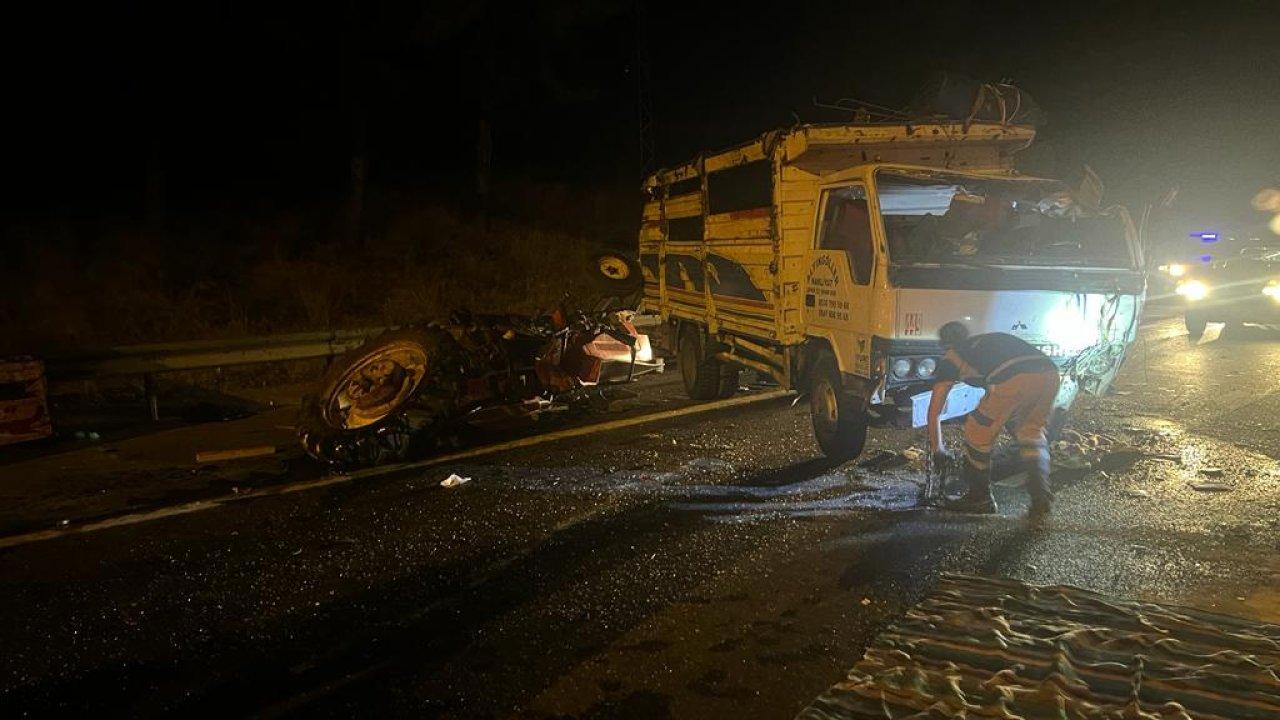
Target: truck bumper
x,y
910,407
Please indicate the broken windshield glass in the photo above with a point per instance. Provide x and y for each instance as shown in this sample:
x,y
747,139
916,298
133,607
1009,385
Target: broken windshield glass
x,y
939,218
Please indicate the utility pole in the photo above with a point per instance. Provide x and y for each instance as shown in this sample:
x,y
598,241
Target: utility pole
x,y
644,110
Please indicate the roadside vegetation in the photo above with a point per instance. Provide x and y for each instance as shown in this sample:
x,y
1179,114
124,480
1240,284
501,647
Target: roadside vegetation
x,y
75,285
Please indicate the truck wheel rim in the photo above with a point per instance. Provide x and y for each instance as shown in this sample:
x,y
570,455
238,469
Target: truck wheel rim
x,y
828,407
376,386
614,267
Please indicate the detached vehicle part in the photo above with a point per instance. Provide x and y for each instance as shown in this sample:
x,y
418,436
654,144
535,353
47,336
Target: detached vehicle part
x,y
409,390
359,414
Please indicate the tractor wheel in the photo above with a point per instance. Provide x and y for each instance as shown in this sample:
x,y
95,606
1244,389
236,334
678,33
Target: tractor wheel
x,y
616,274
357,415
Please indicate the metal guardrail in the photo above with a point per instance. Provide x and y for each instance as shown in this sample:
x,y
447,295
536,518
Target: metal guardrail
x,y
151,359
148,360
203,354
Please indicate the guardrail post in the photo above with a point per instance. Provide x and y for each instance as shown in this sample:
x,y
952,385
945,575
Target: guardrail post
x,y
153,400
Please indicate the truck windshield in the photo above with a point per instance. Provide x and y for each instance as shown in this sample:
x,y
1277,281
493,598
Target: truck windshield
x,y
937,218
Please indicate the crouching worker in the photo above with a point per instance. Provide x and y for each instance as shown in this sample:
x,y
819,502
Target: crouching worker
x,y
1021,384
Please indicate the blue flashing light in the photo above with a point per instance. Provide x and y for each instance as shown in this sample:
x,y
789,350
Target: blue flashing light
x,y
1206,258
1206,237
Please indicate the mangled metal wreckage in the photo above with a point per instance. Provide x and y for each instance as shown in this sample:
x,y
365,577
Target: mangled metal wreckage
x,y
409,391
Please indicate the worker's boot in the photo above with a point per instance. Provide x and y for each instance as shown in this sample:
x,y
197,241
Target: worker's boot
x,y
1038,486
978,498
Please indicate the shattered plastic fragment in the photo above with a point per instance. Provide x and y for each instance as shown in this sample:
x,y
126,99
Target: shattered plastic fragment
x,y
454,480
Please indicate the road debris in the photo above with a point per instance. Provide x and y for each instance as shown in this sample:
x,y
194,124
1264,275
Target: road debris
x,y
1137,493
1015,480
884,460
1081,451
1211,487
1077,451
1211,472
454,480
204,456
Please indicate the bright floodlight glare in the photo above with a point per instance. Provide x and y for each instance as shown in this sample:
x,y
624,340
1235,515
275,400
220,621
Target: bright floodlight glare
x,y
1272,290
1069,330
1193,290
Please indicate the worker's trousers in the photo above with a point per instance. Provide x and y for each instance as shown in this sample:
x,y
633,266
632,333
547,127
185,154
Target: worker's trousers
x,y
1024,402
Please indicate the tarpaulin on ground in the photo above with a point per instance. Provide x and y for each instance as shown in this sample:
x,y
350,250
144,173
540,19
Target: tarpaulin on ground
x,y
984,648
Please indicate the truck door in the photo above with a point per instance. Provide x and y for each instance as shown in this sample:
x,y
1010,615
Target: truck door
x,y
838,287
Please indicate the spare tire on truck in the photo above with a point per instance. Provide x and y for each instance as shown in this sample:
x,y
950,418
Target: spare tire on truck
x,y
358,414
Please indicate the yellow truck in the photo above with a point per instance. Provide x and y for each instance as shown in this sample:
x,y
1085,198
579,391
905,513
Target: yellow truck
x,y
827,256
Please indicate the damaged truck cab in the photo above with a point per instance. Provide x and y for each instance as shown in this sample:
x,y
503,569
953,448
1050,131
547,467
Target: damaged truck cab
x,y
828,256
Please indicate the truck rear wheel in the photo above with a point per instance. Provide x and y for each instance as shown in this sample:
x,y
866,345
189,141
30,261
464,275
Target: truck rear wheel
x,y
839,421
705,377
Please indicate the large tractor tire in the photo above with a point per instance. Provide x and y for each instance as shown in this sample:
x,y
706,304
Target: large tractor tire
x,y
357,415
839,420
705,377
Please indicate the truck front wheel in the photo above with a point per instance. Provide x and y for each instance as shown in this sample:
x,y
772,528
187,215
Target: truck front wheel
x,y
839,421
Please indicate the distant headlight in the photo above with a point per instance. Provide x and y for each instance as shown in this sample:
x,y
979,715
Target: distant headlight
x,y
1272,290
901,368
1177,270
1193,290
926,367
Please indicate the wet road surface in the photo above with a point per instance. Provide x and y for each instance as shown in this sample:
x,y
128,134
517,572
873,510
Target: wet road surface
x,y
713,566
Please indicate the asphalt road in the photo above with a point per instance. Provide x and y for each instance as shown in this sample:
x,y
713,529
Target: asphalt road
x,y
711,566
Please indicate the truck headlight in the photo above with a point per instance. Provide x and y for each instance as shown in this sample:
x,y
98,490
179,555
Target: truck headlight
x,y
901,368
1192,290
1272,290
926,367
1177,270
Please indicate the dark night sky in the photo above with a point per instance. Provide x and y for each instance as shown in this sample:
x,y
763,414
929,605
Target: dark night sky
x,y
254,102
